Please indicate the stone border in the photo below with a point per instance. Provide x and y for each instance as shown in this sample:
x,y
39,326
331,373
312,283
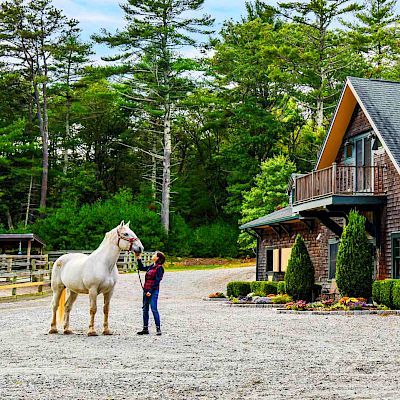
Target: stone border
x,y
215,299
340,312
261,305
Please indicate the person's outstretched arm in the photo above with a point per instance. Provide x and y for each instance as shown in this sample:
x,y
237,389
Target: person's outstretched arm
x,y
141,267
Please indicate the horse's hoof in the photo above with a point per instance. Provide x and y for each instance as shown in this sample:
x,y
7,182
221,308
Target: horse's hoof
x,y
107,332
92,333
68,332
53,330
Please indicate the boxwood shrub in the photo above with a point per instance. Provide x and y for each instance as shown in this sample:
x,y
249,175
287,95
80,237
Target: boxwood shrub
x,y
376,292
281,288
396,294
238,288
386,296
263,288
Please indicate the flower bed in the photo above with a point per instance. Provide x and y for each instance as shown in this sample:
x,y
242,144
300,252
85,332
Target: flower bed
x,y
344,304
271,299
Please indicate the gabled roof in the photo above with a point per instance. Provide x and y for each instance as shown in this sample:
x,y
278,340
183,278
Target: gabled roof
x,y
380,102
285,214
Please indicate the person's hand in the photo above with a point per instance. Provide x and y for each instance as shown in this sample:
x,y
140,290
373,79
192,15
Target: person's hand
x,y
148,294
139,257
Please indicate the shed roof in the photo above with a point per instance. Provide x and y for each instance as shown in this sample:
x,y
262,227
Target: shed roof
x,y
285,214
21,237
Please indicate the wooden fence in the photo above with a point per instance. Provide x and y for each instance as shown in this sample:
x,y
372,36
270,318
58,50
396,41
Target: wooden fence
x,y
22,271
126,261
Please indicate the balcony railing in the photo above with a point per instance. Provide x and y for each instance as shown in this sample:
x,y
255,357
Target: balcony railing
x,y
340,179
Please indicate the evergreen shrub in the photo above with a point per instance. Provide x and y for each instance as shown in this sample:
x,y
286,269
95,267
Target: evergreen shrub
x,y
238,288
299,276
281,288
263,288
396,294
354,260
386,295
376,292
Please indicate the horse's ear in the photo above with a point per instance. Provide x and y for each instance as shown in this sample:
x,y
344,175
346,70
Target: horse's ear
x,y
127,224
121,224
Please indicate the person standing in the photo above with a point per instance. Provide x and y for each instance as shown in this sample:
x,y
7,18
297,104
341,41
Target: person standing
x,y
151,289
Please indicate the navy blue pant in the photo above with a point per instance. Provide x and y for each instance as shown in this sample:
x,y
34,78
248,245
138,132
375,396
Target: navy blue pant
x,y
150,302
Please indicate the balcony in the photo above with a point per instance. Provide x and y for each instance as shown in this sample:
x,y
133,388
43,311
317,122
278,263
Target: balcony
x,y
340,184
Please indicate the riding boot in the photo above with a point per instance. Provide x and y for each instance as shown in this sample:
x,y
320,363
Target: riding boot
x,y
158,331
144,331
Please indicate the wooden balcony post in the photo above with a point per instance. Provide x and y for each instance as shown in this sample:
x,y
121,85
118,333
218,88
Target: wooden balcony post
x,y
312,184
334,168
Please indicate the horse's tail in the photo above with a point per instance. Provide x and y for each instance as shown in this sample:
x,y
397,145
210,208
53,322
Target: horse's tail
x,y
61,306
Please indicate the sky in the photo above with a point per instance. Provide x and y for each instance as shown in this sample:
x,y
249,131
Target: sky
x,y
96,14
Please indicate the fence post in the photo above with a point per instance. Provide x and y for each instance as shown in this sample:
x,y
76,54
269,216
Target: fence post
x,y
14,290
334,167
9,267
33,268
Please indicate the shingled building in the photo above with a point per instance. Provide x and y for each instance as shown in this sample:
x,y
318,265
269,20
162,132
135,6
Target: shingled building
x,y
358,168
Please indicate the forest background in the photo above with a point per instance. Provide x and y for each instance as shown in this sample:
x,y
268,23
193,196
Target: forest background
x,y
185,147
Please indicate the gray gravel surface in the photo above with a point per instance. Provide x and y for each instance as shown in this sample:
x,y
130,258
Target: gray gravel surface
x,y
207,351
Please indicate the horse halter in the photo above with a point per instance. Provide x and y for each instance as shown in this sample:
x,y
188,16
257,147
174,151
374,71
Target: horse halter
x,y
130,240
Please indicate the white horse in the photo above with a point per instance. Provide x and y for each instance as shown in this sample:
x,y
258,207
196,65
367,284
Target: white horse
x,y
91,274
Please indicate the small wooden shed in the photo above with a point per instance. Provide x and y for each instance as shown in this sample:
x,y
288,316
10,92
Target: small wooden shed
x,y
21,243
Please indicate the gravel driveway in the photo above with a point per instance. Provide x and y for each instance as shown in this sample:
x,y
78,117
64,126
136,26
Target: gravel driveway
x,y
207,351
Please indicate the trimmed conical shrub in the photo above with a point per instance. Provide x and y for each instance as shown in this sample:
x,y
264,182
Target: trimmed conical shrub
x,y
299,277
355,262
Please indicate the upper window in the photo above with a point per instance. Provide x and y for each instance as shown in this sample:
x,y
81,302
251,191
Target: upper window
x,y
396,255
349,150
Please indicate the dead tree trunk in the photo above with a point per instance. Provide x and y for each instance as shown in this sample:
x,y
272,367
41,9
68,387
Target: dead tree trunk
x,y
166,182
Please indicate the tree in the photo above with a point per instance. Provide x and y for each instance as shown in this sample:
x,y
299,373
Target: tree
x,y
354,267
71,56
155,32
376,35
268,193
29,33
299,276
316,55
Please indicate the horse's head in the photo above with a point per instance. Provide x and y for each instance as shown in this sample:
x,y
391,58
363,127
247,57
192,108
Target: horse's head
x,y
127,239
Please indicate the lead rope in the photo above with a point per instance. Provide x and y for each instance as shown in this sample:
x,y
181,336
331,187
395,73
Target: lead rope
x,y
141,284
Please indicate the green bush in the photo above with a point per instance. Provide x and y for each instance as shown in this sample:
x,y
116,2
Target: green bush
x,y
386,295
215,240
376,292
299,276
238,288
396,294
354,259
281,288
73,227
263,288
